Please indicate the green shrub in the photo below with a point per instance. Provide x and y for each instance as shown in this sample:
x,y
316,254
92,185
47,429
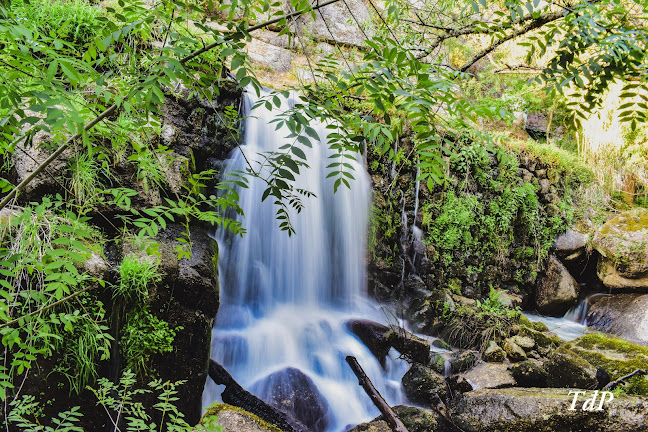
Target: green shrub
x,y
142,336
136,273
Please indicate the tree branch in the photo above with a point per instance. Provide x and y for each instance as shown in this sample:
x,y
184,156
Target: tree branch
x,y
114,108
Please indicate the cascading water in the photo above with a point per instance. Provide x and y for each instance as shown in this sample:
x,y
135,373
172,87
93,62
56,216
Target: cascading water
x,y
284,300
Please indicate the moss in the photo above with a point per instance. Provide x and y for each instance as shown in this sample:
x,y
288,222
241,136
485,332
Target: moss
x,y
617,357
540,338
633,220
216,409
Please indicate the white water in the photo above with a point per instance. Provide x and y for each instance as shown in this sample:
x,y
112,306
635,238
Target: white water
x,y
284,300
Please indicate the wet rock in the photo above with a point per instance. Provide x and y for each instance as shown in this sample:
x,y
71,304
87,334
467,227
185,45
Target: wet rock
x,y
235,419
529,374
424,386
489,375
513,351
568,369
463,360
622,315
379,339
293,392
556,291
616,357
570,245
440,343
623,245
544,410
372,426
494,353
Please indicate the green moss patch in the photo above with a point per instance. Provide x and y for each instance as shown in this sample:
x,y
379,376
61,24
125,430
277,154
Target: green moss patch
x,y
217,409
617,357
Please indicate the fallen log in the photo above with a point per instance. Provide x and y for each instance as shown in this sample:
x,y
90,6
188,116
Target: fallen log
x,y
237,396
390,416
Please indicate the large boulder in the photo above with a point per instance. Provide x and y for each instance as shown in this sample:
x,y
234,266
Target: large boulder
x,y
529,373
424,386
276,58
617,357
623,245
293,392
622,315
414,419
380,338
565,368
233,419
556,291
545,410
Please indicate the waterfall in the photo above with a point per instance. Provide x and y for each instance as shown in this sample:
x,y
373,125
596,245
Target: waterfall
x,y
285,299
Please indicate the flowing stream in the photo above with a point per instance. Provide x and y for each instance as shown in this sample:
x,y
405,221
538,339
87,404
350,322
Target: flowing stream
x,y
285,299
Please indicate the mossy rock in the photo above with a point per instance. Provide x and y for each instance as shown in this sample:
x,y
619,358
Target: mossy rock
x,y
541,339
617,357
568,369
236,419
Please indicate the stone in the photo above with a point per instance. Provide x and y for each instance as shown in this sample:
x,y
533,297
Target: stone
x,y
529,374
570,245
489,375
494,353
544,410
622,315
544,186
414,419
568,369
536,126
295,393
271,56
440,343
513,351
96,266
379,339
335,24
424,386
524,342
541,339
616,357
556,291
463,360
235,419
623,245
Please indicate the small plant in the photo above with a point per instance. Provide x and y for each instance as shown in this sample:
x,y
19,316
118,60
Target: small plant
x,y
145,335
136,274
149,167
84,172
494,305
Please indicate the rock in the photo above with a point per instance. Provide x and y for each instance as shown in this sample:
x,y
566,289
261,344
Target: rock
x,y
96,266
379,339
524,342
295,393
27,158
494,353
556,291
424,386
414,419
459,361
372,426
544,186
616,357
513,351
623,245
529,374
440,343
568,369
622,315
276,58
545,410
536,126
570,244
489,375
336,20
235,419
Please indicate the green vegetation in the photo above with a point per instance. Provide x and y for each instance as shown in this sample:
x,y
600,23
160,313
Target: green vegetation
x,y
142,336
491,215
137,273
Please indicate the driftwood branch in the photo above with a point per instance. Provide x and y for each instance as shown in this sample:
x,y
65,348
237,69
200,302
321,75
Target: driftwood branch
x,y
364,381
616,383
237,396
